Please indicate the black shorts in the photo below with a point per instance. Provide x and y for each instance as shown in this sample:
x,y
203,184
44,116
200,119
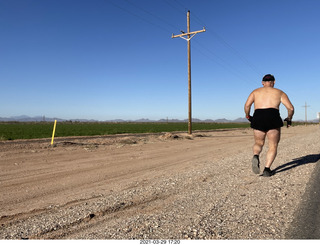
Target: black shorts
x,y
266,119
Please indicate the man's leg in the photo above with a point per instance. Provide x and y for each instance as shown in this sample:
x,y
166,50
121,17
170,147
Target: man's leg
x,y
273,136
259,138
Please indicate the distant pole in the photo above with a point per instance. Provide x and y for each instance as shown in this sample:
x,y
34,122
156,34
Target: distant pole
x,y
189,35
305,108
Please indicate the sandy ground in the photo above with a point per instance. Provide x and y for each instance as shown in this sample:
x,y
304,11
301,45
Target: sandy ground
x,y
159,186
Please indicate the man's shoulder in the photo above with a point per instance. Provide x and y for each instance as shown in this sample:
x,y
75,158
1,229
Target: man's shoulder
x,y
257,90
262,89
278,90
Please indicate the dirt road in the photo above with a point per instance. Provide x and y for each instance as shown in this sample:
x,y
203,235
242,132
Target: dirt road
x,y
153,186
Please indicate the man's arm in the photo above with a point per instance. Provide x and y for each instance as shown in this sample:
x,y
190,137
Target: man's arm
x,y
287,103
248,105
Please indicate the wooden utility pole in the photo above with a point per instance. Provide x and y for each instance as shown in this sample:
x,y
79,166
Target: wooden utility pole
x,y
305,107
189,36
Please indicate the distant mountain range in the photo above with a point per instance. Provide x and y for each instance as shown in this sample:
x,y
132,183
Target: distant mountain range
x,y
25,118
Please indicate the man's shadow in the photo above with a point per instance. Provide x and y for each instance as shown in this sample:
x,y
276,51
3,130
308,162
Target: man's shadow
x,y
313,158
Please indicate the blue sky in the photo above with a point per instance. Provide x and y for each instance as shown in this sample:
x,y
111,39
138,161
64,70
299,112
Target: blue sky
x,y
115,59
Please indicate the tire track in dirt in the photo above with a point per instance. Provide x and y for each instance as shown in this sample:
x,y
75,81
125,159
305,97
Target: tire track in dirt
x,y
95,218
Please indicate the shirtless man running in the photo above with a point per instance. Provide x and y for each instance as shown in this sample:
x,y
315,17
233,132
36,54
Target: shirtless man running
x,y
266,120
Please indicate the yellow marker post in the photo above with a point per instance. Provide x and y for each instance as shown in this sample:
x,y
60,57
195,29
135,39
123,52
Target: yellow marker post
x,y
54,130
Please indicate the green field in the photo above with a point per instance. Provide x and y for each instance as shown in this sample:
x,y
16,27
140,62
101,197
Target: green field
x,y
35,130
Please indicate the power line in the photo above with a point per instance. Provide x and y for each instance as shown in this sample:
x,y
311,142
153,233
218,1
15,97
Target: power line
x,y
153,15
226,65
237,53
178,9
227,45
197,19
138,16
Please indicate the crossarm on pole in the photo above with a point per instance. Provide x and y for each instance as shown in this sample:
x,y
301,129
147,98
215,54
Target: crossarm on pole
x,y
189,33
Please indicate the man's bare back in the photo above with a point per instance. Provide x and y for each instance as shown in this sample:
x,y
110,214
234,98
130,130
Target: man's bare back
x,y
268,97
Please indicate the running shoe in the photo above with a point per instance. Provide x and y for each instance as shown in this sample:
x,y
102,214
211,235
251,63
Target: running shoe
x,y
267,172
256,164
